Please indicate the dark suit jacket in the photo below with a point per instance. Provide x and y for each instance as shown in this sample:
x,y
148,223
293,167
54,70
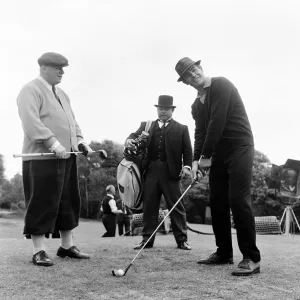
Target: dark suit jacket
x,y
177,143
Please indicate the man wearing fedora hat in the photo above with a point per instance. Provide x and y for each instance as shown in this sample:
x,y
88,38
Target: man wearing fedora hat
x,y
50,181
224,142
170,158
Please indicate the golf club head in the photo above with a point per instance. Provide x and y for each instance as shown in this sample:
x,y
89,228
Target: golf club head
x,y
118,273
102,154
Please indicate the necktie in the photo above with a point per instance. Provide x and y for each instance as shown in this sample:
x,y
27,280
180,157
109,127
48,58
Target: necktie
x,y
57,98
163,124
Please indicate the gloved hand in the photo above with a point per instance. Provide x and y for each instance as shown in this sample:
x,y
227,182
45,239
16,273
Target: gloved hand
x,y
85,149
130,143
60,152
103,154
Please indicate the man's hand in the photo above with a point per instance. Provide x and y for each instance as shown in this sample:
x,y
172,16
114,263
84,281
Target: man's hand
x,y
185,173
60,152
130,144
85,149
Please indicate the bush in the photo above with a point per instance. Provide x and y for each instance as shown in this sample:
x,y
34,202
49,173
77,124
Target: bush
x,y
5,205
21,205
14,206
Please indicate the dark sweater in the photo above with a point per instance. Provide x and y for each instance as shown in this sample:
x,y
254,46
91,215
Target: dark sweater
x,y
221,122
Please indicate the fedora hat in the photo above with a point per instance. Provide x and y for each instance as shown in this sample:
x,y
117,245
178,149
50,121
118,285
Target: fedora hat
x,y
183,65
165,101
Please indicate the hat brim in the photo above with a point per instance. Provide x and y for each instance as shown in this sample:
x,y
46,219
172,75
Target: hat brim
x,y
198,62
164,106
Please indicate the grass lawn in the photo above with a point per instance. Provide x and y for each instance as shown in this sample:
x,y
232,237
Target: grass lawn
x,y
163,272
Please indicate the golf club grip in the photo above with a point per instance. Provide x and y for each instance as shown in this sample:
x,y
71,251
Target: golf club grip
x,y
163,220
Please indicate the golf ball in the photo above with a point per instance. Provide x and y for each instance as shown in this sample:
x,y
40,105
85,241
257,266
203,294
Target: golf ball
x,y
119,273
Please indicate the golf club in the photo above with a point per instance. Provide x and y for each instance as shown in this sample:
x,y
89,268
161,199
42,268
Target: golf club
x,y
120,272
102,154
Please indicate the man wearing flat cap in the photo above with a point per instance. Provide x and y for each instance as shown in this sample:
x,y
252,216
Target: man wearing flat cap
x,y
170,158
50,181
224,142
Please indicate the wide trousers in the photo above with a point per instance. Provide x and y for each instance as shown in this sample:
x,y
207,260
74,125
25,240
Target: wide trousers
x,y
51,195
158,182
230,187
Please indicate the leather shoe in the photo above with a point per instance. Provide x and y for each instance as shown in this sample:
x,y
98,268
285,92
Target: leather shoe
x,y
141,245
41,259
246,267
183,245
215,259
72,252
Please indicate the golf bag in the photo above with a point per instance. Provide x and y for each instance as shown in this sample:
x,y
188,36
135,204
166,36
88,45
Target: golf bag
x,y
129,172
130,184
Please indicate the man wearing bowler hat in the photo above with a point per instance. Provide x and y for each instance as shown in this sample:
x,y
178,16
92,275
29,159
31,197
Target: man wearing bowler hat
x,y
224,142
50,182
170,159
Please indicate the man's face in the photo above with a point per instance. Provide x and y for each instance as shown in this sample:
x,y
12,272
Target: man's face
x,y
164,113
194,77
52,74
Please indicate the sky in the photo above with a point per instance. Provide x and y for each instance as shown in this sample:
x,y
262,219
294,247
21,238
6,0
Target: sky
x,y
122,56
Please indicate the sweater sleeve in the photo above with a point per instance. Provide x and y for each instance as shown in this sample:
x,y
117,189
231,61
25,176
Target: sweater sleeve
x,y
187,148
29,104
199,132
219,105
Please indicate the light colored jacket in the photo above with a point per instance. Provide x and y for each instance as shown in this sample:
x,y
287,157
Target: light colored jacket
x,y
45,121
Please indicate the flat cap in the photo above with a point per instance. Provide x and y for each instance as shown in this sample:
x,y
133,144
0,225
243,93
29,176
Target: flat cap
x,y
53,59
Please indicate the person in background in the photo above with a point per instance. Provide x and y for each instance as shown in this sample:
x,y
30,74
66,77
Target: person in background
x,y
224,142
110,212
123,219
170,159
50,181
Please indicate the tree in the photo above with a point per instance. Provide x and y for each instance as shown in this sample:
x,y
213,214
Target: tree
x,y
2,170
12,193
94,175
261,171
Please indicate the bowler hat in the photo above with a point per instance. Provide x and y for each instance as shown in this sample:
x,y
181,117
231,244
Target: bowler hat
x,y
183,65
165,101
53,59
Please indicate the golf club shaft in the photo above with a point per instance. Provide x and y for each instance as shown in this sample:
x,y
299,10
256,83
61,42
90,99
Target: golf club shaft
x,y
161,222
44,154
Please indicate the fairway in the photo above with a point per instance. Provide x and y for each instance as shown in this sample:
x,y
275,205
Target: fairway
x,y
163,272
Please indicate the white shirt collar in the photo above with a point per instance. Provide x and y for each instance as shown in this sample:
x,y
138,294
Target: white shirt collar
x,y
161,123
110,195
48,86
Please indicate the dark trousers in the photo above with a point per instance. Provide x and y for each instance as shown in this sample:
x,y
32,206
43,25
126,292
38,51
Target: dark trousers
x,y
230,187
123,220
51,195
109,221
157,183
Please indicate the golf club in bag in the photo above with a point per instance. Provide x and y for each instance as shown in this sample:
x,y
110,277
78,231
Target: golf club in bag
x,y
120,272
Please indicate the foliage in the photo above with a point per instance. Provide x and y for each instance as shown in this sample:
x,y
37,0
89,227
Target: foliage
x,y
260,172
95,175
2,170
12,192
